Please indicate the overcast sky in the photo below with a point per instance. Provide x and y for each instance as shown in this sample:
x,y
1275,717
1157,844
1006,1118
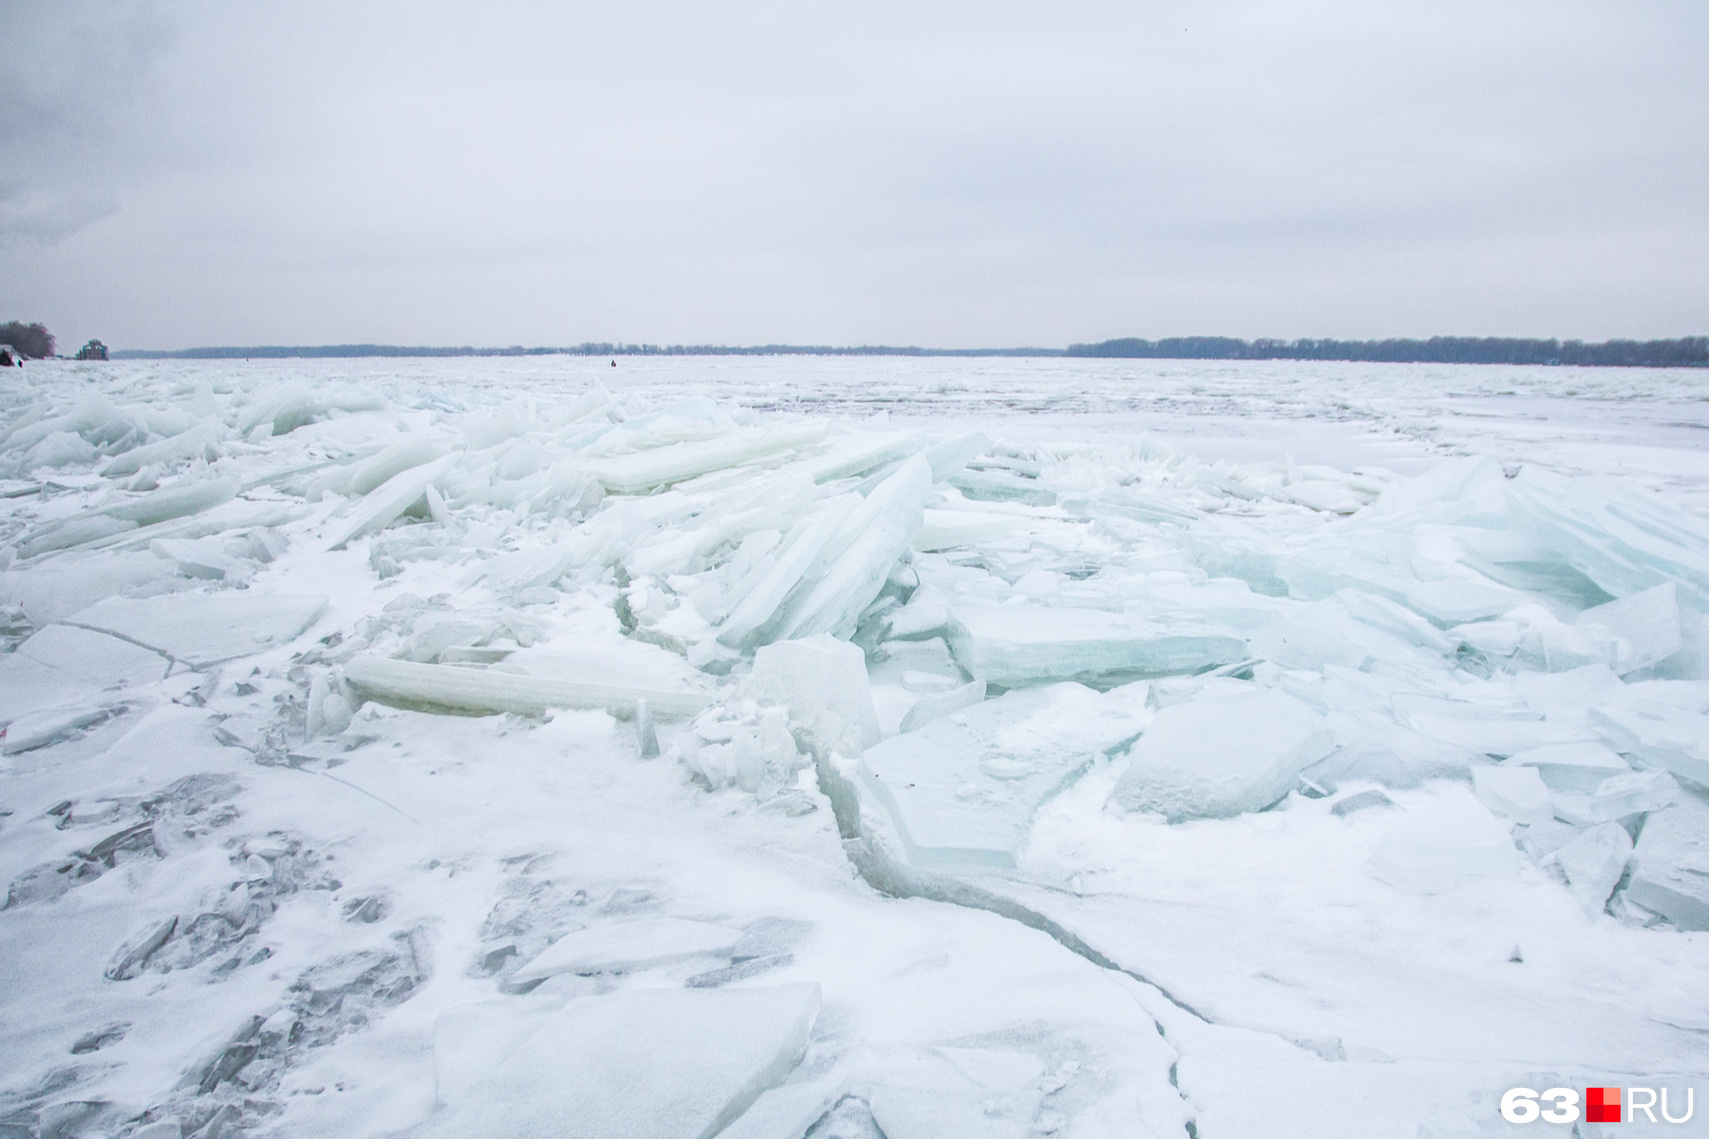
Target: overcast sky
x,y
936,174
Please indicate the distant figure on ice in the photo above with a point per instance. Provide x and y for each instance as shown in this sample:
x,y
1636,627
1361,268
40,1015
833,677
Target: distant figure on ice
x,y
614,363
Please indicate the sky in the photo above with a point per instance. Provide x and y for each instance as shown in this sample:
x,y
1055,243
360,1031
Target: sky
x,y
948,174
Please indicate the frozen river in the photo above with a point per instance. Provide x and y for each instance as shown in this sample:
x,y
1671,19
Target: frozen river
x,y
848,747
1648,424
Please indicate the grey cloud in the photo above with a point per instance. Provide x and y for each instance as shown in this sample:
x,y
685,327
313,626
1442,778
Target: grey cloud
x,y
952,173
33,220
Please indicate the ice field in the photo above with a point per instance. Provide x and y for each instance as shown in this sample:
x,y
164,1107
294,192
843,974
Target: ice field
x,y
781,747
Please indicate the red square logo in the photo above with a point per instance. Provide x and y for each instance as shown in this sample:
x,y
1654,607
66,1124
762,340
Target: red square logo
x,y
1602,1105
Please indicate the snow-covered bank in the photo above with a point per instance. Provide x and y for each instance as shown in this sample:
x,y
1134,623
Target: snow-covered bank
x,y
460,751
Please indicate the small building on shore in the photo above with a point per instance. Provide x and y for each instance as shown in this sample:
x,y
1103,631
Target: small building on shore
x,y
94,350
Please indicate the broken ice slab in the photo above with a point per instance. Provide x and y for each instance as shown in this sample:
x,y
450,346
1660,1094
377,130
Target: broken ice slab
x,y
1129,503
947,529
1306,644
965,788
1432,846
1658,734
1577,768
62,665
1360,801
1223,754
924,616
388,500
790,1110
770,937
776,575
951,455
204,628
1381,613
220,519
1624,540
38,729
1618,797
378,469
470,1041
1494,729
988,486
823,683
1644,627
1568,695
861,556
1594,863
957,1091
1328,496
73,532
661,466
203,558
455,688
109,522
436,634
1455,602
1670,865
1024,644
1528,566
859,453
1516,793
1470,490
642,1064
629,945
130,957
199,442
174,502
932,705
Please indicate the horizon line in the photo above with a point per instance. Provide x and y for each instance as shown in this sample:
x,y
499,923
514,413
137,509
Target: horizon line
x,y
1690,351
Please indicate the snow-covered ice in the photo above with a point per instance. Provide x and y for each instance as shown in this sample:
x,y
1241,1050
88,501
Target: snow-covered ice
x,y
788,747
1227,753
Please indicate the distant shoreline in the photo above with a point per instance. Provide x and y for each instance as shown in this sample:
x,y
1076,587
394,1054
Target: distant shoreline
x,y
1687,352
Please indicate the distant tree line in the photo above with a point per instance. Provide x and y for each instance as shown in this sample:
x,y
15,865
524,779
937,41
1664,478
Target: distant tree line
x,y
1689,352
32,340
592,348
1692,351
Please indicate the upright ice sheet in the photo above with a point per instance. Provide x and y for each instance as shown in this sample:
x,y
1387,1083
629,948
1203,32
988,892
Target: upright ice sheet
x,y
823,683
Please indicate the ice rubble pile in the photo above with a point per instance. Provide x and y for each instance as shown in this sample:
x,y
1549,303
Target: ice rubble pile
x,y
941,633
1301,627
